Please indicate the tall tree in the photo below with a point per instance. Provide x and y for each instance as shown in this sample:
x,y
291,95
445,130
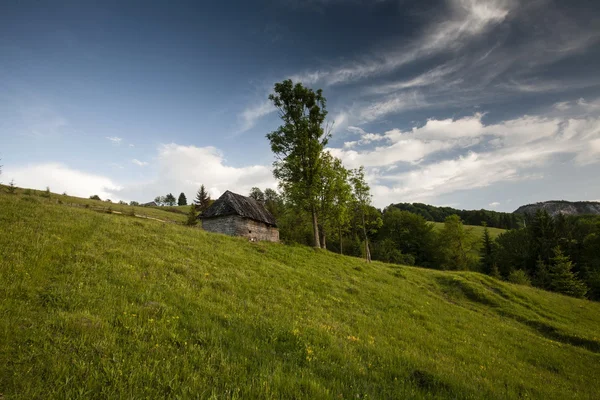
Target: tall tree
x,y
298,144
202,200
488,263
459,242
257,194
562,279
334,197
182,201
362,197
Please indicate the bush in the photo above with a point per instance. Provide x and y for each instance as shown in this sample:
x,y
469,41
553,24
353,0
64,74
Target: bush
x,y
519,277
95,197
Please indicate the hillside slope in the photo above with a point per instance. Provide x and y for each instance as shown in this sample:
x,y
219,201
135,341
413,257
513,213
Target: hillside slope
x,y
555,207
97,305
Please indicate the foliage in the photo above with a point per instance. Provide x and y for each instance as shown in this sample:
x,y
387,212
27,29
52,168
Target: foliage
x,y
493,219
192,216
134,203
257,194
100,305
519,277
362,198
202,201
12,187
182,200
170,200
458,245
298,145
488,254
95,197
562,278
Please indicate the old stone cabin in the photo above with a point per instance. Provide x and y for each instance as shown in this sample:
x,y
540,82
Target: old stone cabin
x,y
237,215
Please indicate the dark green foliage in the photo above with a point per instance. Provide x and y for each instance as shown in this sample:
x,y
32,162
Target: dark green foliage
x,y
192,216
46,193
562,278
202,200
519,277
134,203
387,251
492,219
487,254
182,200
170,200
95,197
298,145
458,245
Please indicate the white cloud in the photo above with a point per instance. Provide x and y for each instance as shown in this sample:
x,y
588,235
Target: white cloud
x,y
139,163
60,178
184,168
115,139
252,114
494,204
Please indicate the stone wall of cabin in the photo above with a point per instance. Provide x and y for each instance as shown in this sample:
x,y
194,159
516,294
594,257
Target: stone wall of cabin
x,y
234,225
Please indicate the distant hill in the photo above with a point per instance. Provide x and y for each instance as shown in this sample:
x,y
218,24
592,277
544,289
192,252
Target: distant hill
x,y
493,219
555,207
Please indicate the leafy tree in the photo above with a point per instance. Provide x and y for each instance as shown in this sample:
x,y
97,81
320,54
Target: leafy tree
x,y
411,234
387,251
170,200
458,244
202,200
562,279
134,203
159,200
182,201
298,145
257,194
513,250
273,202
335,197
95,197
362,198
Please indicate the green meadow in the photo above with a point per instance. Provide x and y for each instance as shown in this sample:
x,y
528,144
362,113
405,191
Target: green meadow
x,y
103,305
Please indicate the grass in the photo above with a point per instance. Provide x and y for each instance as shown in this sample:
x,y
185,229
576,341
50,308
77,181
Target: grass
x,y
98,305
475,229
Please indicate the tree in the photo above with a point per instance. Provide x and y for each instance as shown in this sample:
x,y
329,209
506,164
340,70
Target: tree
x,y
487,253
562,279
458,244
170,199
298,145
362,198
95,197
192,217
334,197
11,186
159,200
134,203
182,201
202,200
273,202
257,194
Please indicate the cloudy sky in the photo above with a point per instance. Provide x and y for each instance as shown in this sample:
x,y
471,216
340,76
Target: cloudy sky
x,y
473,104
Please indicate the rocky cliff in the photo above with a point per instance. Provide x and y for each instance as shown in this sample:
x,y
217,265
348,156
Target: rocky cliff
x,y
555,207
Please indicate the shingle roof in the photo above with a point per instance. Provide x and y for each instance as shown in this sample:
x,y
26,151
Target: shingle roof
x,y
235,204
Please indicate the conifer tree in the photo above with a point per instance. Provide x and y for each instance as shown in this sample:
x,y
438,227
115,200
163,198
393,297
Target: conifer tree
x,y
182,201
192,216
562,278
487,253
202,200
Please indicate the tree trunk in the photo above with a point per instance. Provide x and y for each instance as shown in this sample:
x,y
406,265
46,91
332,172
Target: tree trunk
x,y
323,239
367,251
315,228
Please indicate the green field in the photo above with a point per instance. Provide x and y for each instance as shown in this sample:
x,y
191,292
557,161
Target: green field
x,y
98,305
475,230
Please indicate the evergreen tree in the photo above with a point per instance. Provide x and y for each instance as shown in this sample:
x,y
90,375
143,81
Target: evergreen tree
x,y
542,278
192,217
182,201
562,278
487,253
202,200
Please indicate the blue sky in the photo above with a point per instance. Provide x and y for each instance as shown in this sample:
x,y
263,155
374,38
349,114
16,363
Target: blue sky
x,y
474,104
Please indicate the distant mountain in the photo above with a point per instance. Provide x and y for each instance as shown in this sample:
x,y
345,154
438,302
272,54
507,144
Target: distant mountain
x,y
555,207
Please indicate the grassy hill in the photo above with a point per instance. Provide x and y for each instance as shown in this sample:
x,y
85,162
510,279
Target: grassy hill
x,y
98,305
475,229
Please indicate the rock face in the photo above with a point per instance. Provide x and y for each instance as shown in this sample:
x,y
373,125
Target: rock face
x,y
555,207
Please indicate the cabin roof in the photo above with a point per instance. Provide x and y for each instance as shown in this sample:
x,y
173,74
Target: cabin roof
x,y
235,204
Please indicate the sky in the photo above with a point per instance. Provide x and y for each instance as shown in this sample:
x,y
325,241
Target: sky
x,y
470,104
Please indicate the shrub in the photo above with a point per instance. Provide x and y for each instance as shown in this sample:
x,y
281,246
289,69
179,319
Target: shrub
x,y
519,277
95,197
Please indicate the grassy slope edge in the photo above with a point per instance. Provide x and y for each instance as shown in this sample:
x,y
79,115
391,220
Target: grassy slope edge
x,y
110,306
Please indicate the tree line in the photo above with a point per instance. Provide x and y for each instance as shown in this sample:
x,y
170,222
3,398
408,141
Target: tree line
x,y
493,219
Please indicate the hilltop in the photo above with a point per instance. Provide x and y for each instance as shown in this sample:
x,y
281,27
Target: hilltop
x,y
99,305
555,207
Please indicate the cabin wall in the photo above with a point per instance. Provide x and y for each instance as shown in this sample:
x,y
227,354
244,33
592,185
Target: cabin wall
x,y
234,225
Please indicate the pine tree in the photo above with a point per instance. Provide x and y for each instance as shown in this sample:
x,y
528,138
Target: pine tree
x,y
202,200
562,278
182,201
487,253
192,216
